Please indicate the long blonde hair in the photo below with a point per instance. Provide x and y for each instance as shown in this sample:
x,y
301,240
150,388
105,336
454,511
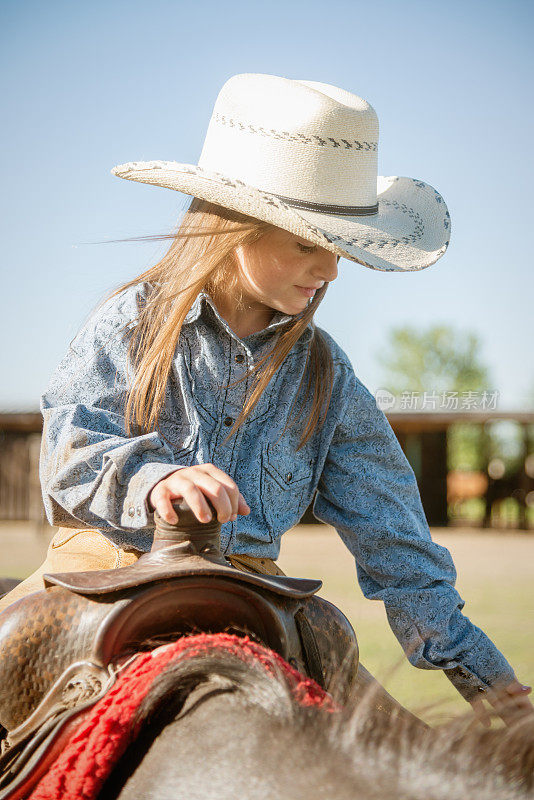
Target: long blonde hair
x,y
201,258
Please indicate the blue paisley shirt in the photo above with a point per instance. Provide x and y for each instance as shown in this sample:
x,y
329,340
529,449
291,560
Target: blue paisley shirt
x,y
93,475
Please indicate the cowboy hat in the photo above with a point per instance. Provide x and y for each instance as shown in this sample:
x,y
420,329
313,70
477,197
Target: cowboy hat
x,y
302,155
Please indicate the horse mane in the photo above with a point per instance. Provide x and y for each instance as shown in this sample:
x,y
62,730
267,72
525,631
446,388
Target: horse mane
x,y
456,759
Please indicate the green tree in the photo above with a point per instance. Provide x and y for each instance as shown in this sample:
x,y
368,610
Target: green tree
x,y
433,359
439,359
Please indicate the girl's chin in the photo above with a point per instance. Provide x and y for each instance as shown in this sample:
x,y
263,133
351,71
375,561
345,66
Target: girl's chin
x,y
291,309
292,306
296,306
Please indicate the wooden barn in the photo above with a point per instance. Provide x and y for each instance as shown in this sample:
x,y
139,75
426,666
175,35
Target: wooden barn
x,y
422,435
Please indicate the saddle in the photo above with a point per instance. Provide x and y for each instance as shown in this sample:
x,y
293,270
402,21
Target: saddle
x,y
61,648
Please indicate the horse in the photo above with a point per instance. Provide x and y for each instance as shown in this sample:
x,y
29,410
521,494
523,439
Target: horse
x,y
107,696
221,716
247,735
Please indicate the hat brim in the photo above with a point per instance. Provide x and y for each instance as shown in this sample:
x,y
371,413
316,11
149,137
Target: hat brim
x,y
410,231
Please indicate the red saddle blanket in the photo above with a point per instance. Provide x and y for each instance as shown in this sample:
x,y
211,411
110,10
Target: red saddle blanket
x,y
102,733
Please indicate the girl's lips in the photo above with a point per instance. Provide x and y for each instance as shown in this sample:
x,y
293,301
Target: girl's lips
x,y
305,291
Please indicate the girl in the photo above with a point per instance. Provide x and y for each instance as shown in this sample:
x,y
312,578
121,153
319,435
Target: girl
x,y
206,377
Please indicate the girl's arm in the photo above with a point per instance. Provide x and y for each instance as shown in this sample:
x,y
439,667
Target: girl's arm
x,y
91,472
368,492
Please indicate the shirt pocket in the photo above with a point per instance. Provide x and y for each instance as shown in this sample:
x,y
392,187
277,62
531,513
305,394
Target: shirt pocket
x,y
286,485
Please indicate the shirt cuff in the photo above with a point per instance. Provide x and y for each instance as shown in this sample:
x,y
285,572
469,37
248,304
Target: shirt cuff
x,y
135,513
482,668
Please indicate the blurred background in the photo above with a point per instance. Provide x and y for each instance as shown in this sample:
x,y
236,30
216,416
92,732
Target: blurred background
x,y
447,351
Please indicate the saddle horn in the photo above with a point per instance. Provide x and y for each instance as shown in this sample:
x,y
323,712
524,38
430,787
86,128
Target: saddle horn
x,y
203,538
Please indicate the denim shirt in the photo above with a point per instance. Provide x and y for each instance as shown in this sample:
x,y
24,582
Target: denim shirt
x,y
94,475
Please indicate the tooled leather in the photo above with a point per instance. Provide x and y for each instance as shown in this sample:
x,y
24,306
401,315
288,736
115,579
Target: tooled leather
x,y
39,636
43,633
185,583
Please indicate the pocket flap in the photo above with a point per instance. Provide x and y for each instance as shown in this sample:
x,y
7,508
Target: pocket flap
x,y
288,468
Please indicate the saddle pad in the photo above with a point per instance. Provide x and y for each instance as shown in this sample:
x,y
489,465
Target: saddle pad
x,y
106,730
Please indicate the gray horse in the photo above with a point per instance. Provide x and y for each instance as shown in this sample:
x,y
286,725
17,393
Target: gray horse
x,y
214,728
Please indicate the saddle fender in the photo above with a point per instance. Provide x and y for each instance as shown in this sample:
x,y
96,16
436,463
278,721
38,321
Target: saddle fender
x,y
336,642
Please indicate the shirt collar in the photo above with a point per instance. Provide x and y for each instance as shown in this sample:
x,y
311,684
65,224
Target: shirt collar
x,y
278,319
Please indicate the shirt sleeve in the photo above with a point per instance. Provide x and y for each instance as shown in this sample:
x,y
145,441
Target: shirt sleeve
x,y
369,493
91,472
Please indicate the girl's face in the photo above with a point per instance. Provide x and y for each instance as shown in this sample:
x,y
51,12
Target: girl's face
x,y
283,271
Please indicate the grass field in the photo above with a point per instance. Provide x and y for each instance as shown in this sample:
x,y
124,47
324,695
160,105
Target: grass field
x,y
496,579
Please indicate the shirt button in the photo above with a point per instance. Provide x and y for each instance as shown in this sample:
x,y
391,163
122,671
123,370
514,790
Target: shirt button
x,y
138,511
240,358
131,511
228,421
289,476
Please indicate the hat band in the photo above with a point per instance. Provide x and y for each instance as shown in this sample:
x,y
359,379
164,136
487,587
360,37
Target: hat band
x,y
325,208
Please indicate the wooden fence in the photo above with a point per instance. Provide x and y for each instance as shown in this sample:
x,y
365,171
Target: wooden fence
x,y
20,490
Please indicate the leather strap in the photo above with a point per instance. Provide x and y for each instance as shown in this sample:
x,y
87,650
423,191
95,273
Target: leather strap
x,y
326,208
310,648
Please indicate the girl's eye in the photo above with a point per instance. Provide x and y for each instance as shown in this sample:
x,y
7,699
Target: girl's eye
x,y
306,249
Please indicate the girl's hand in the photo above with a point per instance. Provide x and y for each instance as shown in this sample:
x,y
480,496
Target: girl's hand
x,y
511,702
194,484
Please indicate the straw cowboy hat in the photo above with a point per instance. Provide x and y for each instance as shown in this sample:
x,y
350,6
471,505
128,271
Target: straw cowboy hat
x,y
302,155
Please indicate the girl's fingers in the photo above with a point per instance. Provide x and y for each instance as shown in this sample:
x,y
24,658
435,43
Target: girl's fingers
x,y
195,500
173,488
163,506
516,688
194,484
218,494
510,702
513,702
230,485
481,712
239,504
243,507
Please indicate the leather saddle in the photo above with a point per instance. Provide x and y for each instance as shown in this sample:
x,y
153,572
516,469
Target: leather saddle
x,y
60,648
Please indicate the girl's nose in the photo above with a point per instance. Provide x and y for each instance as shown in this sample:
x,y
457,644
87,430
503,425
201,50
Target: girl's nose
x,y
327,268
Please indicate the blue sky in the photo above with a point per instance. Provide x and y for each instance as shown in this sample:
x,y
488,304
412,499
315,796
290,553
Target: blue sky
x,y
86,86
